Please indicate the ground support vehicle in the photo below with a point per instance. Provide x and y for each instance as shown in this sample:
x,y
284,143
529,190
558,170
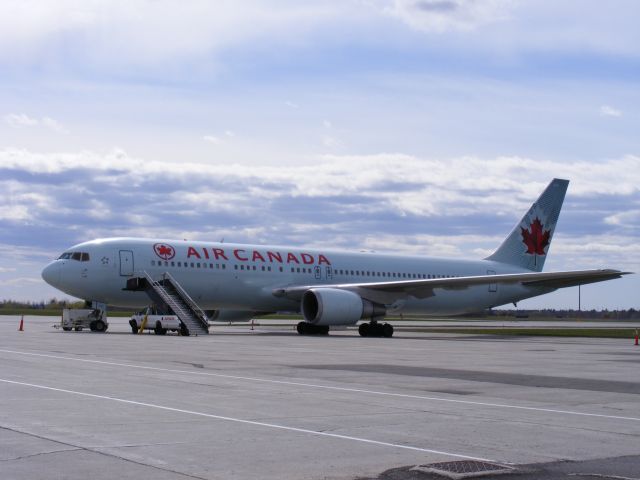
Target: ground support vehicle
x,y
80,318
158,322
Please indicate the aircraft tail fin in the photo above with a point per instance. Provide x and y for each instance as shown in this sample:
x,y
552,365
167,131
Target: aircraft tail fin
x,y
528,243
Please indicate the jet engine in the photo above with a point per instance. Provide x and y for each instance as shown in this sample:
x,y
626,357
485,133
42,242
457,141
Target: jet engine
x,y
332,306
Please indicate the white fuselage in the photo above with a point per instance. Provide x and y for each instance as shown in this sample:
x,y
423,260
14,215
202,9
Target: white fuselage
x,y
243,277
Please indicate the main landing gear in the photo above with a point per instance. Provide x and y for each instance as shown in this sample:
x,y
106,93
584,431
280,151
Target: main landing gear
x,y
375,329
306,328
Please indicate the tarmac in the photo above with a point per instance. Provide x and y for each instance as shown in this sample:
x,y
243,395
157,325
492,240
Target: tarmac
x,y
268,403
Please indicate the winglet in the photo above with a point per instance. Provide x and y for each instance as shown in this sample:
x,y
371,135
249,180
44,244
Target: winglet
x,y
528,244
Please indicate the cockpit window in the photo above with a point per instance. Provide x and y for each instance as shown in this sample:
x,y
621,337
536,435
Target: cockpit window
x,y
79,256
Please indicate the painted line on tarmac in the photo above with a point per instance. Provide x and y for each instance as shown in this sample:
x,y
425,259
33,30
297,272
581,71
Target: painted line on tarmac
x,y
244,421
329,387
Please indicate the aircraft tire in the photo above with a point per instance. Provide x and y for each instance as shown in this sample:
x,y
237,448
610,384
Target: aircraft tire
x,y
159,330
363,329
387,330
306,328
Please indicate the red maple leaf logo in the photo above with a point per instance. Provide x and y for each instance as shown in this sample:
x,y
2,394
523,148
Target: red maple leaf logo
x,y
165,252
535,239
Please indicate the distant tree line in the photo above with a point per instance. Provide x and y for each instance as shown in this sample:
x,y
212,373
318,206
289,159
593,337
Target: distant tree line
x,y
51,304
630,314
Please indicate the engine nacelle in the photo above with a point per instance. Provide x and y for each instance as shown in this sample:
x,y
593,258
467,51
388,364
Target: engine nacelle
x,y
332,306
231,315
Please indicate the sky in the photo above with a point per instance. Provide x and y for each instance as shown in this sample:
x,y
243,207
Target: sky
x,y
411,126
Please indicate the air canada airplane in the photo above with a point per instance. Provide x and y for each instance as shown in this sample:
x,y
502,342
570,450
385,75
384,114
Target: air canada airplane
x,y
234,282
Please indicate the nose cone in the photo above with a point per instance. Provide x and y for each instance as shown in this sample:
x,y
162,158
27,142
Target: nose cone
x,y
51,274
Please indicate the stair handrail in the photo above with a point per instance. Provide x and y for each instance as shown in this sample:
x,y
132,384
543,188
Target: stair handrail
x,y
194,306
164,295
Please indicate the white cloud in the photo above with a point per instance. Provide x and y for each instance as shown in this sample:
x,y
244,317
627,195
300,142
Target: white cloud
x,y
443,15
26,281
630,218
607,111
291,104
135,31
397,182
330,141
53,125
217,139
18,120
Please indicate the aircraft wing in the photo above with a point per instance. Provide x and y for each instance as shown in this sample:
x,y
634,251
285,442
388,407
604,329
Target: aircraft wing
x,y
387,292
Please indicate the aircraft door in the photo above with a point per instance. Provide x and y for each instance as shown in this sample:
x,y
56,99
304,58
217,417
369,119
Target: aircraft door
x,y
493,287
329,272
126,263
317,272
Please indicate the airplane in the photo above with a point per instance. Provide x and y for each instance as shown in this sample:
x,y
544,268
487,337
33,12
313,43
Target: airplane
x,y
234,282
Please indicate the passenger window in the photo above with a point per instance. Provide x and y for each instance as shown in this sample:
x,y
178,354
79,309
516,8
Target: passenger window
x,y
173,264
269,268
153,263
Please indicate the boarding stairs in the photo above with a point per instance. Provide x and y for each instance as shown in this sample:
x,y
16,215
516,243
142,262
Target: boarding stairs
x,y
167,292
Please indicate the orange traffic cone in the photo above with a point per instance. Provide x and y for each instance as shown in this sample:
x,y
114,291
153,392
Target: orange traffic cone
x,y
21,327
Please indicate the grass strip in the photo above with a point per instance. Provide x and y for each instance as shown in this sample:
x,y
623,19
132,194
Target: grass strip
x,y
538,332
